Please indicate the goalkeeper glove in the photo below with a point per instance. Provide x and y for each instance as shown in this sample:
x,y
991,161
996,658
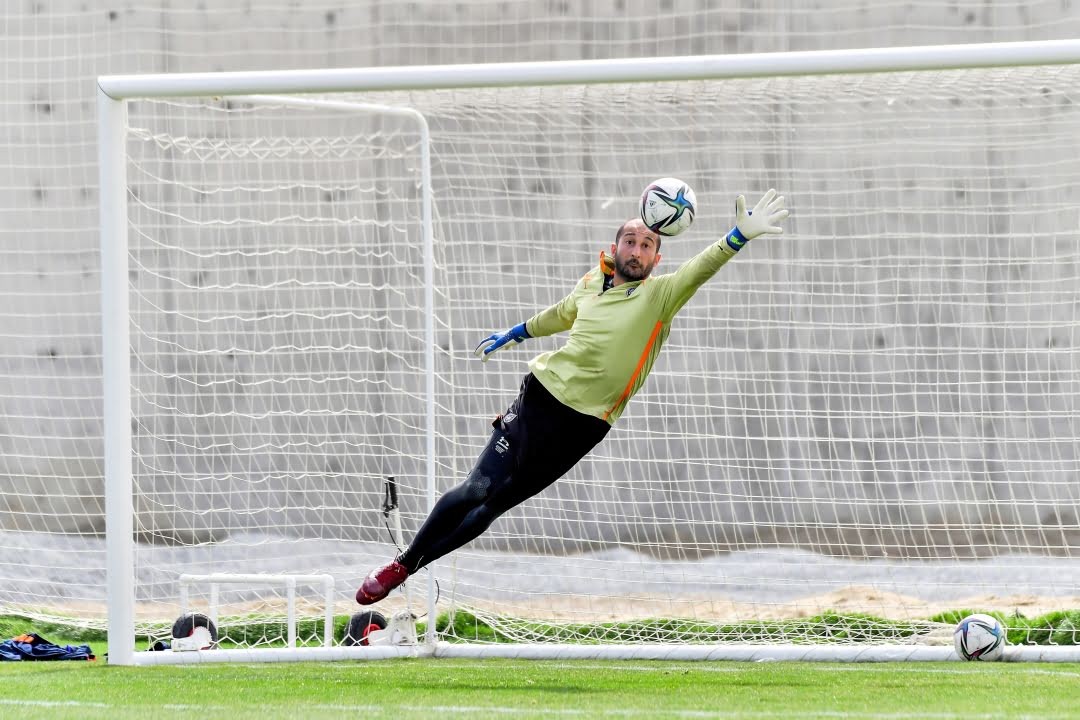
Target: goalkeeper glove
x,y
493,343
607,270
607,264
762,219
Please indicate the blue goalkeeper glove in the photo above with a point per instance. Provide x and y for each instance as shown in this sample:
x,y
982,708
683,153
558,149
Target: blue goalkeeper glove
x,y
493,343
761,220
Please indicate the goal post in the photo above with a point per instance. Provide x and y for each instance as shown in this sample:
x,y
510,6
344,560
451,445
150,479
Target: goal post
x,y
881,429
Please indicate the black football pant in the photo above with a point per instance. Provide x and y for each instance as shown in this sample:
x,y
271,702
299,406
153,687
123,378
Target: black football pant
x,y
533,444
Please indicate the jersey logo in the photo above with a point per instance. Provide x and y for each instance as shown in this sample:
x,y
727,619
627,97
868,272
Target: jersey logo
x,y
630,291
502,445
509,417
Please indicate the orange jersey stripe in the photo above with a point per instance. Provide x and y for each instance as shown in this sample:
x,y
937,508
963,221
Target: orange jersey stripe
x,y
637,371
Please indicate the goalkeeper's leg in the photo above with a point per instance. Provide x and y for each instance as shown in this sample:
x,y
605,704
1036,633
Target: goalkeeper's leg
x,y
459,516
533,445
466,511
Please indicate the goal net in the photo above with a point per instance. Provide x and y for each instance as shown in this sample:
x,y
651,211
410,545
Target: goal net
x,y
853,430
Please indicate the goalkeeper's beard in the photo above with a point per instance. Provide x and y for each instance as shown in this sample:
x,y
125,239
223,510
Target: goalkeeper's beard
x,y
632,270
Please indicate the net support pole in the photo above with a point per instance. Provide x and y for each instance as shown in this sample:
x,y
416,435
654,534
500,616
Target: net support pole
x,y
430,638
428,229
116,375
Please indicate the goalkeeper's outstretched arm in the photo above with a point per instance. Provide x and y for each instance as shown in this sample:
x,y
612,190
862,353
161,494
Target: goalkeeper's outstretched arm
x,y
764,219
552,320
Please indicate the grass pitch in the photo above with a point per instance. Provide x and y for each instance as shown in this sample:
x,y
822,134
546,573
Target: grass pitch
x,y
429,688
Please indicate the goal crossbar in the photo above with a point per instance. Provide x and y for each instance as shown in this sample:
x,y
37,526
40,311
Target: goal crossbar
x,y
701,67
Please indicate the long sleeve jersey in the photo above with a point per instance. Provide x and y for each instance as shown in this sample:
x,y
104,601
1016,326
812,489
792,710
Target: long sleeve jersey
x,y
615,335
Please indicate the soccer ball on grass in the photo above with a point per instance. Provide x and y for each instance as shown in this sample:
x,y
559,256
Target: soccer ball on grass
x,y
979,637
668,206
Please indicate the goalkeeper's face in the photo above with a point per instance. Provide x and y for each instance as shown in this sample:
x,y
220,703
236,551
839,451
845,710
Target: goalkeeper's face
x,y
636,251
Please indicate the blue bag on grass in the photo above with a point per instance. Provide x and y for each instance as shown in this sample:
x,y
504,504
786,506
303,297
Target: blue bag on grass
x,y
34,647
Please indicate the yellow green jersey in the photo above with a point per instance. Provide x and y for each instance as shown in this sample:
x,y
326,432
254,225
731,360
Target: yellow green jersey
x,y
615,334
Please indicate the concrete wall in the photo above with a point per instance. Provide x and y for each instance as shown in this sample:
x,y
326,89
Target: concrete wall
x,y
971,444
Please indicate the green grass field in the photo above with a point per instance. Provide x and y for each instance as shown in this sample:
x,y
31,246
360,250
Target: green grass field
x,y
435,688
426,688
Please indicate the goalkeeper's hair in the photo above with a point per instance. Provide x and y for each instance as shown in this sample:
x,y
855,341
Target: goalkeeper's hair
x,y
618,233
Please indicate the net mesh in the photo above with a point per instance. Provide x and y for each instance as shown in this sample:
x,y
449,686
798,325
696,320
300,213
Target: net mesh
x,y
873,415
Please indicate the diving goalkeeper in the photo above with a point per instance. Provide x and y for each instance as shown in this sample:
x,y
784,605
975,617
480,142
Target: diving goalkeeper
x,y
618,317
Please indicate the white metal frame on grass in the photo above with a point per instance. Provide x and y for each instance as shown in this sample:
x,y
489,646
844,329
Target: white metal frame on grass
x,y
115,90
215,581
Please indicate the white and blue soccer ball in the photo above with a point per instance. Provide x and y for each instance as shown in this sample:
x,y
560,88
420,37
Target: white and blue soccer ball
x,y
668,206
979,637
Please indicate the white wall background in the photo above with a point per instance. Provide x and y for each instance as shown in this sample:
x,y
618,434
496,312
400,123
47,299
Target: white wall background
x,y
50,397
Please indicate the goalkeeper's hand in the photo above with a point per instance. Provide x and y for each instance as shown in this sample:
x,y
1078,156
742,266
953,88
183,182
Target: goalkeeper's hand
x,y
496,342
763,219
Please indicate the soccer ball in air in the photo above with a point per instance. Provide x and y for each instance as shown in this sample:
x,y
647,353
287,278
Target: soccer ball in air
x,y
668,206
979,637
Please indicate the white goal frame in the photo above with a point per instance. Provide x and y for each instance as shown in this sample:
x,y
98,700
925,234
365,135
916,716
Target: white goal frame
x,y
113,93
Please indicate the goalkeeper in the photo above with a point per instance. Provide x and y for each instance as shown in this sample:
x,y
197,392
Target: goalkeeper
x,y
618,317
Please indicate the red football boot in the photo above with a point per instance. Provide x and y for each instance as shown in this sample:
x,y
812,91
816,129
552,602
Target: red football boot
x,y
380,582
